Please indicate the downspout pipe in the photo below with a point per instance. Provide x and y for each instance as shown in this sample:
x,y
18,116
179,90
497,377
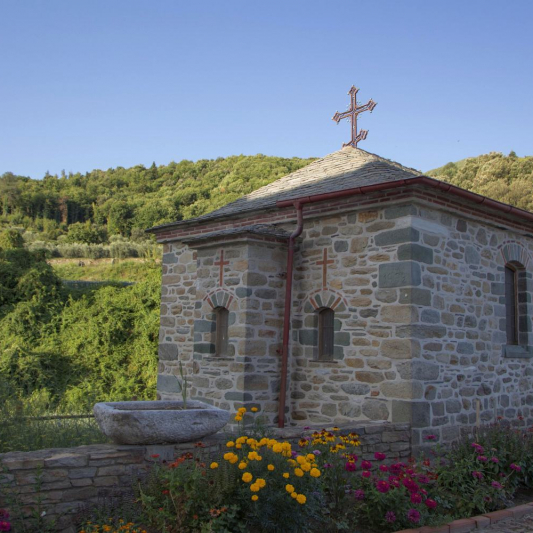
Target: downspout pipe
x,y
287,314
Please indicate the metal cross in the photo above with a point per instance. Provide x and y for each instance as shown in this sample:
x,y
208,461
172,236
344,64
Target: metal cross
x,y
325,264
222,264
352,113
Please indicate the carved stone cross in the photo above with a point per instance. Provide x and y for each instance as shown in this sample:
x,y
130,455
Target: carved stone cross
x,y
352,113
325,262
222,264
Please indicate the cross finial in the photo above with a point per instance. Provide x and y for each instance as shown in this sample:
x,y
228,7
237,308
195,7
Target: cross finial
x,y
352,113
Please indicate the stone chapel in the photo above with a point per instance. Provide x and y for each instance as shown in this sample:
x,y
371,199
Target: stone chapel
x,y
354,289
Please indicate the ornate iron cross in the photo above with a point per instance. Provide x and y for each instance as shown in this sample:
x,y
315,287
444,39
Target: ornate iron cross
x,y
352,113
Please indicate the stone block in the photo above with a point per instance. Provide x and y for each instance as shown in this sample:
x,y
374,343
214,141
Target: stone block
x,y
340,246
398,314
357,389
399,348
67,459
168,352
415,252
421,331
398,211
168,383
375,410
397,236
252,382
402,274
358,245
369,377
349,409
415,296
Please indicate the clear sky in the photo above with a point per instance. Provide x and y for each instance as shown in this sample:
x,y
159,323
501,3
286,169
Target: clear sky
x,y
106,83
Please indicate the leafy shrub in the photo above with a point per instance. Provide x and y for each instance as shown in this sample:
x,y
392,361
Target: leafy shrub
x,y
11,239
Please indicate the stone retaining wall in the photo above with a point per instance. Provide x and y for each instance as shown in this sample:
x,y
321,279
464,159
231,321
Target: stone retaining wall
x,y
64,480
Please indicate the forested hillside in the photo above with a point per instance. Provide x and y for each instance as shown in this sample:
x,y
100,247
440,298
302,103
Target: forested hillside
x,y
126,201
508,179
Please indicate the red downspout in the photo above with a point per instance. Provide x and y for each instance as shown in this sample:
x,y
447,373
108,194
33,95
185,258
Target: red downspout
x,y
287,315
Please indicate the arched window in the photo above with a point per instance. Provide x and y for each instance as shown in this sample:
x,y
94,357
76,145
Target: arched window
x,y
511,303
221,339
326,325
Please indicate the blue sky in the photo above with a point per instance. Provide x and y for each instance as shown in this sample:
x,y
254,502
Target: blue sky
x,y
108,83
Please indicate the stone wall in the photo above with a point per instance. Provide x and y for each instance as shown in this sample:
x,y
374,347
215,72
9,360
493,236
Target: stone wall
x,y
416,282
68,480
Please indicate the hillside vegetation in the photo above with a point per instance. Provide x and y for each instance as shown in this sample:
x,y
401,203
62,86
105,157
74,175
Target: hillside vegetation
x,y
96,206
508,179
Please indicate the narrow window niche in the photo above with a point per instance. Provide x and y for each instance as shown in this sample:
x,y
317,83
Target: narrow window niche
x,y
326,334
517,322
221,332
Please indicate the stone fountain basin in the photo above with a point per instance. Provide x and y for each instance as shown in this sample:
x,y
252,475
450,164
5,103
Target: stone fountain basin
x,y
158,422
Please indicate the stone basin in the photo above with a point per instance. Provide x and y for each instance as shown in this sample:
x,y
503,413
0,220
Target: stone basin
x,y
158,422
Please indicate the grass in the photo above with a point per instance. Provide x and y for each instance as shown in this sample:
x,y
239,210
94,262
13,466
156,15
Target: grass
x,y
132,270
31,425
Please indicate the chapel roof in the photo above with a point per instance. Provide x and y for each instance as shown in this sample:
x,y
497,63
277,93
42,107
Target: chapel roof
x,y
347,168
262,230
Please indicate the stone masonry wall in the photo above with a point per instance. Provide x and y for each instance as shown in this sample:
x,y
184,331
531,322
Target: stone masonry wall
x,y
252,288
460,327
74,478
370,374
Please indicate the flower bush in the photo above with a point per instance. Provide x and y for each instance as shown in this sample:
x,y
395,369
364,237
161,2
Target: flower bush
x,y
111,525
5,524
324,483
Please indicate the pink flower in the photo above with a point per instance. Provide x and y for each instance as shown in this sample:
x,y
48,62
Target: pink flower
x,y
359,494
366,465
390,517
413,515
384,468
379,456
327,465
477,474
496,485
430,437
350,467
366,473
410,485
382,486
517,468
5,526
416,498
482,459
494,459
422,478
430,504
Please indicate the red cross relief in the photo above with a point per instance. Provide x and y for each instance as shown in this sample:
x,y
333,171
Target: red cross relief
x,y
325,262
222,264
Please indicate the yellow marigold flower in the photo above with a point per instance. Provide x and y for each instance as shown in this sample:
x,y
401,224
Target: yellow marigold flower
x,y
286,446
292,462
254,487
252,455
250,441
294,495
306,467
277,448
255,497
263,442
261,482
301,499
315,472
247,477
289,488
286,475
233,459
301,459
238,418
271,467
310,457
241,410
254,409
214,465
227,456
241,440
242,465
299,472
238,446
230,444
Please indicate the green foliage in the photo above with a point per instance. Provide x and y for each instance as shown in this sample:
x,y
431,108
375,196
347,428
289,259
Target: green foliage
x,y
507,179
125,200
86,233
76,346
32,423
11,239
